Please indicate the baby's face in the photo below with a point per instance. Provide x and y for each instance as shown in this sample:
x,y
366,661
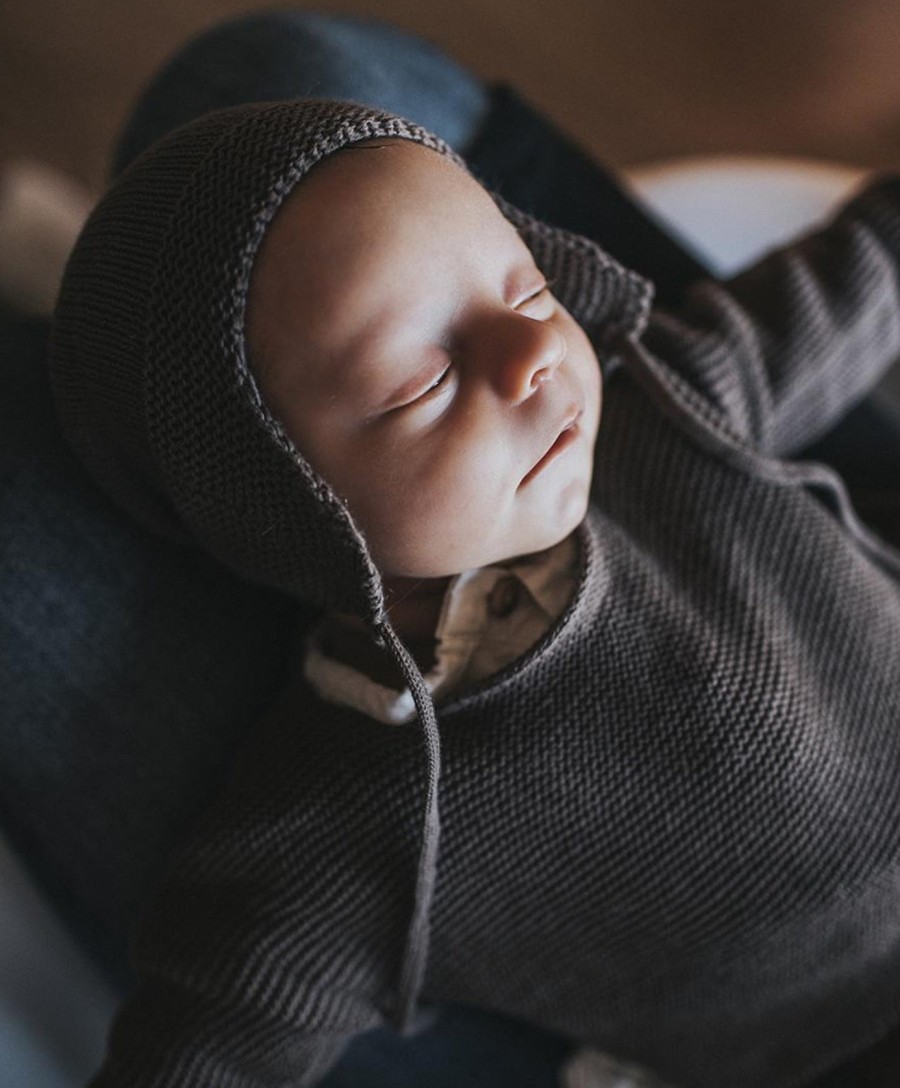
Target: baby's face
x,y
402,333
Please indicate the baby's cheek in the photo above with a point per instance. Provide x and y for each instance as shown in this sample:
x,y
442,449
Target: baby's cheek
x,y
429,533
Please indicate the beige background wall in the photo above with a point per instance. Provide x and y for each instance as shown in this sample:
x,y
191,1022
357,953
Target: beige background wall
x,y
633,79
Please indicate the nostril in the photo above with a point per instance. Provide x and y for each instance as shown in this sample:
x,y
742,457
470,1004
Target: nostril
x,y
541,376
530,357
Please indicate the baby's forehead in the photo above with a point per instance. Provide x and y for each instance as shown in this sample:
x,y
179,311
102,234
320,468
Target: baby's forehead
x,y
377,225
371,179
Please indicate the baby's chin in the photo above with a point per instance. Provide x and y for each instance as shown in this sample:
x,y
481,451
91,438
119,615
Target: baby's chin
x,y
553,514
562,529
536,543
534,546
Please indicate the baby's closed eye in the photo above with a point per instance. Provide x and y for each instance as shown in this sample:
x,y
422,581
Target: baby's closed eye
x,y
439,380
540,304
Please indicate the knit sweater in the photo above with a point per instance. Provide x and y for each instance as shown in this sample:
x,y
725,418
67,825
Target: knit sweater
x,y
671,828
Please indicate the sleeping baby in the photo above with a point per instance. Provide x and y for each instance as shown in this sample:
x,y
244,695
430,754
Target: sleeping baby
x,y
598,721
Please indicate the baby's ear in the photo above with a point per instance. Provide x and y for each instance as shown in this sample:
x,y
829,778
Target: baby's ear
x,y
602,295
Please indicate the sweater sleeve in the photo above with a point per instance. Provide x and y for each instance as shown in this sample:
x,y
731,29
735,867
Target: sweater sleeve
x,y
171,1035
276,934
787,347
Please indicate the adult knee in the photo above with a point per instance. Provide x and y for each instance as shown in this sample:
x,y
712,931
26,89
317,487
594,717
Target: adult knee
x,y
266,56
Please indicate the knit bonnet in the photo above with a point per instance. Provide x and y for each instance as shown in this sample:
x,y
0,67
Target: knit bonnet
x,y
154,391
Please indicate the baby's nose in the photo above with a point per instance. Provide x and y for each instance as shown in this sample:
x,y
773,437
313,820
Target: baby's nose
x,y
531,352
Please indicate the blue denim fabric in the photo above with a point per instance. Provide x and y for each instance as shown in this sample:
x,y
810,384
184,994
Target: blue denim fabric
x,y
129,670
302,54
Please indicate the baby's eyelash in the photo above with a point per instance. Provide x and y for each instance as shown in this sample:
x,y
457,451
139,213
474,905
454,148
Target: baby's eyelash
x,y
439,381
540,291
445,373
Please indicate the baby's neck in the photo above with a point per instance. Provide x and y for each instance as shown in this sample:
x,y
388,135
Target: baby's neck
x,y
414,607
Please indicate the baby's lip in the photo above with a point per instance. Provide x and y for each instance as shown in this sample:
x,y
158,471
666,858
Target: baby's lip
x,y
565,436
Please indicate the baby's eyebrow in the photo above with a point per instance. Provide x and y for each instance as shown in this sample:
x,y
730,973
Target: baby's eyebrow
x,y
397,388
523,280
365,370
398,396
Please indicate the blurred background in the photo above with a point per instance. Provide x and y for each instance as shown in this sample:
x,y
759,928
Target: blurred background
x,y
634,81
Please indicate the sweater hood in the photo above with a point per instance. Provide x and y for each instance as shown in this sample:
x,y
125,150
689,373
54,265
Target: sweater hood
x,y
154,390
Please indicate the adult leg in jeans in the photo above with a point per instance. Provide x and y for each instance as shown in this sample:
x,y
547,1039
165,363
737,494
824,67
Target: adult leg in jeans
x,y
301,54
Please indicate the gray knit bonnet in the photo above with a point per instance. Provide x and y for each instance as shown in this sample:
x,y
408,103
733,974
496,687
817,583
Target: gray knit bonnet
x,y
154,391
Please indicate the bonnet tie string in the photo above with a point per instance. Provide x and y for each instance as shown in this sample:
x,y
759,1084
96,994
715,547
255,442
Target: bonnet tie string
x,y
415,955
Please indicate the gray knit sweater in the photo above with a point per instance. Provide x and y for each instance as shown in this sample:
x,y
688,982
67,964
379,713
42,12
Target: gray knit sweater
x,y
672,828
